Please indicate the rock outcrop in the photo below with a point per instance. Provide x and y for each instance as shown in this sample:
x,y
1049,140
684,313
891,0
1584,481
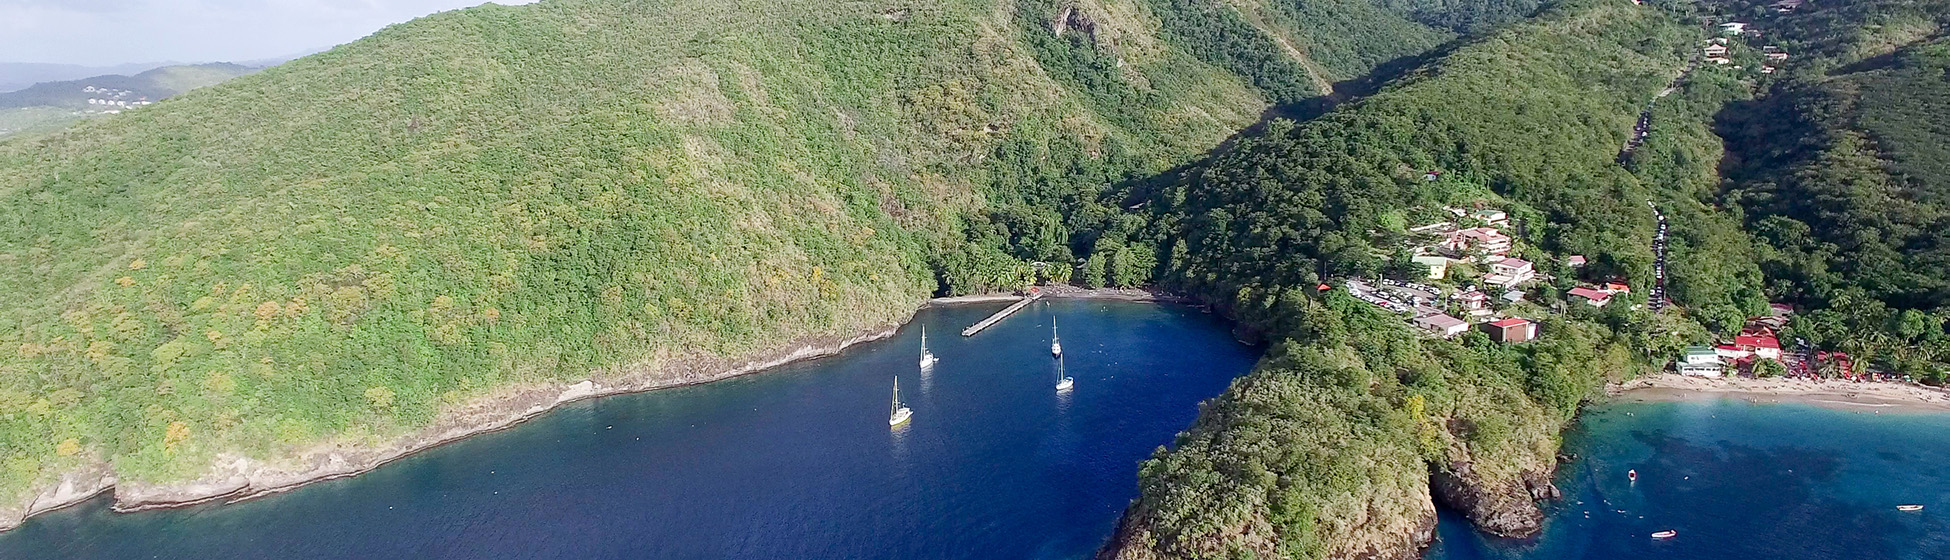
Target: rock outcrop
x,y
1506,508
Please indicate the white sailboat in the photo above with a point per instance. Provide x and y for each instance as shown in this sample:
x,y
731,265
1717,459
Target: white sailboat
x,y
1055,347
1063,382
927,358
901,413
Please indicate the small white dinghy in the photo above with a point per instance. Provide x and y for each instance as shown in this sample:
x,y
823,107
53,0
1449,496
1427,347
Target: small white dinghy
x,y
1909,507
1666,534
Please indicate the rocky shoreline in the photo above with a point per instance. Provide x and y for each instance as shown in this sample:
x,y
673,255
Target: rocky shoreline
x,y
235,478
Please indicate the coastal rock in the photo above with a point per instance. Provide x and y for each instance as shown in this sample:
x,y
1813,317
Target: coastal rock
x,y
73,487
1505,509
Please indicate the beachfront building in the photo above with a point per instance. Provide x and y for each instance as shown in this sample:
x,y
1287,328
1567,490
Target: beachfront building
x,y
1511,330
1442,325
1764,345
1700,361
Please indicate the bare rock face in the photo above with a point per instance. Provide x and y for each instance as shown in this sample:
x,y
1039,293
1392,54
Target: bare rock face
x,y
1508,509
1073,19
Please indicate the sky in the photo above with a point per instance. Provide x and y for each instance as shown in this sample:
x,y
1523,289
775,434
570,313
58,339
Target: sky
x,y
107,32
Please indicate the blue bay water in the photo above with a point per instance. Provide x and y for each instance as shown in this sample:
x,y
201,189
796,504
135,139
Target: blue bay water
x,y
1739,481
792,463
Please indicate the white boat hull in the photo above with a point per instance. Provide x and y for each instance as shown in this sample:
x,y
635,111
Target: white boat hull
x,y
900,417
1065,384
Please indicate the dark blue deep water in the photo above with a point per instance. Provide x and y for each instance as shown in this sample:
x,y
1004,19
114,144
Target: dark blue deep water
x,y
1740,481
792,463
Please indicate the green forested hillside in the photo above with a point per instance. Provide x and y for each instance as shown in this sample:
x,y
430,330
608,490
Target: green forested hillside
x,y
337,249
1840,168
1325,450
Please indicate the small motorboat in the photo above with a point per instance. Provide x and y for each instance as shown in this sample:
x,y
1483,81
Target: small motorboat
x,y
1666,534
1909,507
1632,475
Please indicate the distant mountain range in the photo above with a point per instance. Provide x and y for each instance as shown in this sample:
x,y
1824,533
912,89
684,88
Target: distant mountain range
x,y
49,106
119,90
15,76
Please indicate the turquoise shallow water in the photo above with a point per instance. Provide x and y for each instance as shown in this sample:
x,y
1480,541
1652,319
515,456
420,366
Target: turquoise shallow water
x,y
1740,481
793,463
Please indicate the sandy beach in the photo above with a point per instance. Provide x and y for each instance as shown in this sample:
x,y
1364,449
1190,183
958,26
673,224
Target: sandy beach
x,y
1840,395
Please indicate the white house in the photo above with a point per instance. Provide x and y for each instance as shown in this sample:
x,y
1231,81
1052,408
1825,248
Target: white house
x,y
1701,361
1489,240
1510,272
1491,216
1442,324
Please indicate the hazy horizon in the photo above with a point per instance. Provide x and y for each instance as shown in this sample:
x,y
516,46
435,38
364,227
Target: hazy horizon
x,y
117,32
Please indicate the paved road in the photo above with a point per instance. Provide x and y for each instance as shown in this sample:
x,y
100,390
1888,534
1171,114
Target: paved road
x,y
1658,296
1644,126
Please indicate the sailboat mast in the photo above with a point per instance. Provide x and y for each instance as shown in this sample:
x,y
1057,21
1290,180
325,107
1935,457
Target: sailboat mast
x,y
897,396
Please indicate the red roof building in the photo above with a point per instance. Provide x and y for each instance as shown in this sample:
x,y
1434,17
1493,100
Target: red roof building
x,y
1514,329
1593,297
1617,288
1765,346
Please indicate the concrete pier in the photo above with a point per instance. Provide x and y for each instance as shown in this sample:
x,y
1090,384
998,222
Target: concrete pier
x,y
999,315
